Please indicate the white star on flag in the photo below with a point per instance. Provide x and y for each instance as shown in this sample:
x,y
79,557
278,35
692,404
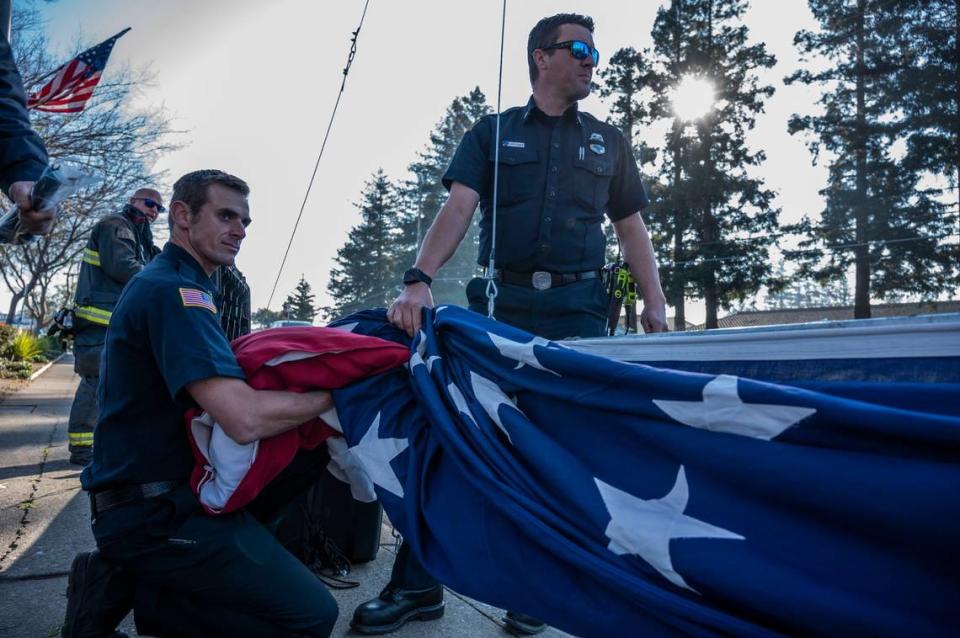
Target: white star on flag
x,y
460,402
646,527
491,396
419,357
722,411
522,352
375,454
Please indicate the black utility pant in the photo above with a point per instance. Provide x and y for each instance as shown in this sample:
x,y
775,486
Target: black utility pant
x,y
227,575
575,310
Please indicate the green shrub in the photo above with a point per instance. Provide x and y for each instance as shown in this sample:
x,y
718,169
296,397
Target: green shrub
x,y
52,347
15,369
7,335
26,347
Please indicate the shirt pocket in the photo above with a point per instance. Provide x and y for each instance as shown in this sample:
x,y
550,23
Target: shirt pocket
x,y
518,178
591,183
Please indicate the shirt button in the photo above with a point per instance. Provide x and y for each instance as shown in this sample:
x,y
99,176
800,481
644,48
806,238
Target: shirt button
x,y
554,169
544,248
556,145
548,219
553,193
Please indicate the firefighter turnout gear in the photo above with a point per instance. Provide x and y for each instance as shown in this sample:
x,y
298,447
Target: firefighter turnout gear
x,y
119,247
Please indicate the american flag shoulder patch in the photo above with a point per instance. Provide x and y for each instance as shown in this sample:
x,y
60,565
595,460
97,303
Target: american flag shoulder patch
x,y
193,298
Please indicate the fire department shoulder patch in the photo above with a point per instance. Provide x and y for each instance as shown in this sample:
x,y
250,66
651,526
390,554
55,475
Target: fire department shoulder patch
x,y
193,298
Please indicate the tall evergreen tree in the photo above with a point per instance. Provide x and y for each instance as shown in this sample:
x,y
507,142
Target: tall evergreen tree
x,y
714,227
876,218
366,274
424,195
626,84
930,85
299,304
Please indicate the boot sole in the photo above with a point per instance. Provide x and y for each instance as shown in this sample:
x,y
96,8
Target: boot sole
x,y
523,629
74,584
421,613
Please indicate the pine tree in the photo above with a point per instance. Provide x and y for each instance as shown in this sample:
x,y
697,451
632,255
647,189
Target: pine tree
x,y
628,79
299,304
263,317
713,228
367,273
626,82
876,219
424,195
930,83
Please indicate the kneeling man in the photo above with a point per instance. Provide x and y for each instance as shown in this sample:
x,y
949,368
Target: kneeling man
x,y
186,573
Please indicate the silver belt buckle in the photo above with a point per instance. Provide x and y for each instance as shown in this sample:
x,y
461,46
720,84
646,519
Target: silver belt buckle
x,y
541,280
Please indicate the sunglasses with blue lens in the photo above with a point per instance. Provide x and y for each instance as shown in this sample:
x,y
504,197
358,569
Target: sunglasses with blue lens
x,y
152,203
578,49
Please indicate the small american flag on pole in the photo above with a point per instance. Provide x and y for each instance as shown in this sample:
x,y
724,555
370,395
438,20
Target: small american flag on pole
x,y
73,83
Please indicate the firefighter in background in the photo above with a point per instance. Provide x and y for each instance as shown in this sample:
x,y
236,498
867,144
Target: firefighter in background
x,y
120,245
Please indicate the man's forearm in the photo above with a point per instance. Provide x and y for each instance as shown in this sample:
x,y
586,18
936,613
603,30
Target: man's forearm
x,y
247,415
276,412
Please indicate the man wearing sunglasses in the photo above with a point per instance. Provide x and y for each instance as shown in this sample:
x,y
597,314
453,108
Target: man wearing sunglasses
x,y
560,172
120,245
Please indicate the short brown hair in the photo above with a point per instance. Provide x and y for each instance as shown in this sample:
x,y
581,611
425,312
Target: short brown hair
x,y
191,189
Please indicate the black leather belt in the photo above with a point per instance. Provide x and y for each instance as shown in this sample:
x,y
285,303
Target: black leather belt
x,y
105,500
543,280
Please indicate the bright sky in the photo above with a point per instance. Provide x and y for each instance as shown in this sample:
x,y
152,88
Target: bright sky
x,y
253,84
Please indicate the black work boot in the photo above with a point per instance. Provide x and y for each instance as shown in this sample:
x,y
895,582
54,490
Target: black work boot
x,y
81,456
395,606
99,596
520,624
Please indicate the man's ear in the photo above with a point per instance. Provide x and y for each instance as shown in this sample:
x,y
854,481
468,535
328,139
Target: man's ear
x,y
540,59
180,214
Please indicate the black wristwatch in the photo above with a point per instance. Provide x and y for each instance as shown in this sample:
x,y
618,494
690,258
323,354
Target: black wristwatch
x,y
416,276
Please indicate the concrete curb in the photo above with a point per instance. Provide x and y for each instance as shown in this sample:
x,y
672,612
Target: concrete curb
x,y
46,367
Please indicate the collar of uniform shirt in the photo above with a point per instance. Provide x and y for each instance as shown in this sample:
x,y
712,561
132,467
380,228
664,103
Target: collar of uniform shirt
x,y
570,112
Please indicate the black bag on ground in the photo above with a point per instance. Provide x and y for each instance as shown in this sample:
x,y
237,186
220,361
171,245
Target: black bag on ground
x,y
326,528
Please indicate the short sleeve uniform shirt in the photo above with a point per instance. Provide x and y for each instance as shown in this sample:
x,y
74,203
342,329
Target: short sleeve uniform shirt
x,y
164,334
557,179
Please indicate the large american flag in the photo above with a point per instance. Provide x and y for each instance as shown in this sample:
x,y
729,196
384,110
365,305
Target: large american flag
x,y
619,499
73,83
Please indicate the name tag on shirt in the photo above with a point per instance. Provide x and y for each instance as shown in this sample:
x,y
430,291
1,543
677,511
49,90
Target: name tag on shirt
x,y
510,144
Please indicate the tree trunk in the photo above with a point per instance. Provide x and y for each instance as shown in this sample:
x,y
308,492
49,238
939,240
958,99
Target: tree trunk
x,y
861,303
680,316
710,295
710,236
12,310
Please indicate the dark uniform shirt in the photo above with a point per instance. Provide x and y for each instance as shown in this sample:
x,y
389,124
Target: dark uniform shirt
x,y
164,334
558,177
